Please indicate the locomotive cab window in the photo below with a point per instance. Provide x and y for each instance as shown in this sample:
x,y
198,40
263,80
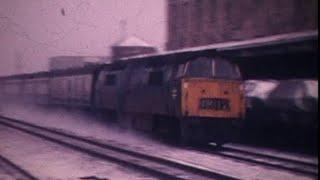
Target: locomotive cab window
x,y
225,69
110,80
177,71
216,68
155,78
200,67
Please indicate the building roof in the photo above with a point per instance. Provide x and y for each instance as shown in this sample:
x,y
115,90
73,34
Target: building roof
x,y
262,42
132,41
184,54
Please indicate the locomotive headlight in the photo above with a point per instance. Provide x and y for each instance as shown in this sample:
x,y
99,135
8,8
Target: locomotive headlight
x,y
241,87
185,85
238,88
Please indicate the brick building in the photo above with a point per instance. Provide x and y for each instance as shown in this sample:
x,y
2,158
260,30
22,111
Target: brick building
x,y
200,22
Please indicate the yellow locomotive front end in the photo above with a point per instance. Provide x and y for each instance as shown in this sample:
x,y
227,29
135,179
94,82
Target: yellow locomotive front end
x,y
203,97
211,100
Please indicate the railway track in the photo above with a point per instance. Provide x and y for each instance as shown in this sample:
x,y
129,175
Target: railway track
x,y
9,170
156,166
294,163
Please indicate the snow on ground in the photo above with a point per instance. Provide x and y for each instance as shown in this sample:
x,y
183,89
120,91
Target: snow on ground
x,y
81,124
47,160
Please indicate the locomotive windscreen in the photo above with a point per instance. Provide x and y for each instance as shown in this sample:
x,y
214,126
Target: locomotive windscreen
x,y
212,68
225,70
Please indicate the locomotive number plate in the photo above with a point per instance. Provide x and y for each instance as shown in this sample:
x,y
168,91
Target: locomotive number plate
x,y
215,103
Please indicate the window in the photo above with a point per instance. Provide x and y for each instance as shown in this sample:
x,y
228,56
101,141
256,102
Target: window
x,y
155,78
200,67
224,69
111,80
178,71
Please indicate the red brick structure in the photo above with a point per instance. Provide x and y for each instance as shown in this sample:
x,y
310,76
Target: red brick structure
x,y
200,22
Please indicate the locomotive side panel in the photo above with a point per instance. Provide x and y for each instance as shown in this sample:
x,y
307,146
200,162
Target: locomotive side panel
x,y
134,94
146,91
109,89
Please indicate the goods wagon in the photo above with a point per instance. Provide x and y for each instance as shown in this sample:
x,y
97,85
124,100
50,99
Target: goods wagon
x,y
287,107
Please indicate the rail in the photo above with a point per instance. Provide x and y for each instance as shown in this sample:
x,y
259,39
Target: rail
x,y
156,166
297,163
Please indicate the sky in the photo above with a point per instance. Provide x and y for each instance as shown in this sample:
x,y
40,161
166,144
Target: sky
x,y
32,31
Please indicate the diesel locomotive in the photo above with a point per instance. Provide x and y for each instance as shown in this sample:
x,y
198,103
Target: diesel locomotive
x,y
195,96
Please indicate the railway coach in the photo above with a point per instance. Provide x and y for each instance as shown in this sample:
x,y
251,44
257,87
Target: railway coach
x,y
27,88
72,87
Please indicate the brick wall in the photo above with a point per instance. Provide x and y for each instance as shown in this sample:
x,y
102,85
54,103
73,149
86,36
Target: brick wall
x,y
201,22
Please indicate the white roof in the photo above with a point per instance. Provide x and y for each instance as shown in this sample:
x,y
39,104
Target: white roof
x,y
132,41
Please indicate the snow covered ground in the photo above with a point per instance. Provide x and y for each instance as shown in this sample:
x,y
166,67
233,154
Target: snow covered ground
x,y
47,160
82,124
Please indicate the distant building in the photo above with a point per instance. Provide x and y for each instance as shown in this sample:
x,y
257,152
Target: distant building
x,y
131,46
65,62
201,22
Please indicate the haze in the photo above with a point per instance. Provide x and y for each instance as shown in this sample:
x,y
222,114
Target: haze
x,y
33,30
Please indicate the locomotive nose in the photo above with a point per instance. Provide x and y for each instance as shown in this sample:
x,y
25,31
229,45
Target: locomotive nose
x,y
212,98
